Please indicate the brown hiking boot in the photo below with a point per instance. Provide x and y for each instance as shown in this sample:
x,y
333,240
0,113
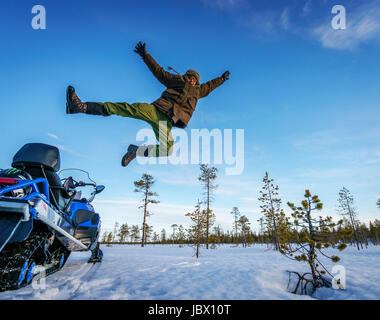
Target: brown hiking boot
x,y
73,103
130,155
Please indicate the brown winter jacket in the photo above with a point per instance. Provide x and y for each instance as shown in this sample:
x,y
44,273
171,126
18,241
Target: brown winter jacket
x,y
180,97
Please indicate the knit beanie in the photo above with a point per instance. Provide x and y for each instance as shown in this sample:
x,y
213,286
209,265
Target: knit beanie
x,y
193,73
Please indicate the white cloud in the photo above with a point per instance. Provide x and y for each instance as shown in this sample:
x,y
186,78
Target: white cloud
x,y
119,202
193,181
374,159
319,139
63,148
363,25
285,19
306,8
224,4
226,192
246,15
362,173
337,136
52,135
249,200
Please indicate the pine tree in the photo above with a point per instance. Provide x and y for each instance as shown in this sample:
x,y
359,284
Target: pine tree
x,y
109,237
115,231
275,218
104,238
198,229
163,236
124,232
262,230
155,237
148,232
363,232
244,223
236,214
135,233
346,208
376,224
313,239
174,226
374,237
144,186
181,235
218,234
207,177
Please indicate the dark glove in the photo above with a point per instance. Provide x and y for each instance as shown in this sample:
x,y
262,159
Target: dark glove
x,y
226,75
140,49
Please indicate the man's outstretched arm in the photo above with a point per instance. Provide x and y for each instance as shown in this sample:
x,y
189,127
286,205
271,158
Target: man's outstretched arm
x,y
209,86
166,78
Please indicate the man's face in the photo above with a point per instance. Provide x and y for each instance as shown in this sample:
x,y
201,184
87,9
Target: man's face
x,y
192,80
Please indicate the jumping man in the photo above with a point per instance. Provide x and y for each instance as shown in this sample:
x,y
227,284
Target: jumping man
x,y
174,108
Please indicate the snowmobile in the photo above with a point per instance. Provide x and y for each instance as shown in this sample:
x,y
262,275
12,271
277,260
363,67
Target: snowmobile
x,y
44,215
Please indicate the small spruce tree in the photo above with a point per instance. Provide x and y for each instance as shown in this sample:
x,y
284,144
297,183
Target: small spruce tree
x,y
244,225
311,244
181,236
197,230
124,232
174,226
109,239
135,233
275,219
163,236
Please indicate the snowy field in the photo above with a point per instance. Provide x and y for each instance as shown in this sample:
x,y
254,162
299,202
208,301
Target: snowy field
x,y
172,273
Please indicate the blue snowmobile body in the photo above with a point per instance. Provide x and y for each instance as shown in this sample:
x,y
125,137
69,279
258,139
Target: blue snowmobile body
x,y
41,219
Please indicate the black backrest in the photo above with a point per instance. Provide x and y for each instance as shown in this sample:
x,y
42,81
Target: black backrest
x,y
40,161
37,154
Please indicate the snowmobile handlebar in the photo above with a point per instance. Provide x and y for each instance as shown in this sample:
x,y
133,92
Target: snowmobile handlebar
x,y
84,184
98,189
71,184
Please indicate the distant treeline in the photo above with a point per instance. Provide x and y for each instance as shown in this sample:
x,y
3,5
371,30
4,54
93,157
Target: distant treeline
x,y
367,234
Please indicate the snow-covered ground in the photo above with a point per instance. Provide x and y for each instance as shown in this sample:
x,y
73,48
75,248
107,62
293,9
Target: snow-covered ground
x,y
169,272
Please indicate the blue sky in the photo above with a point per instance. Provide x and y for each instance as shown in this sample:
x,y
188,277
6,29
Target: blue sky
x,y
306,95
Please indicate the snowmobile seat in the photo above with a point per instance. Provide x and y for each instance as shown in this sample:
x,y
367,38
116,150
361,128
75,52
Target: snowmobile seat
x,y
43,161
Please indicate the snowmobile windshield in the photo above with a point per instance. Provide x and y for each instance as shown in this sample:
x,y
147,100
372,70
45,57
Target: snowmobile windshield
x,y
79,180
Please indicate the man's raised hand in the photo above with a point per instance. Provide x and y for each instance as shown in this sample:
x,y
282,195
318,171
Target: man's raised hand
x,y
226,75
140,49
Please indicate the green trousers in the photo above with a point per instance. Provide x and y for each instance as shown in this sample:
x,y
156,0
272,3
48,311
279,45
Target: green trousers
x,y
159,122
